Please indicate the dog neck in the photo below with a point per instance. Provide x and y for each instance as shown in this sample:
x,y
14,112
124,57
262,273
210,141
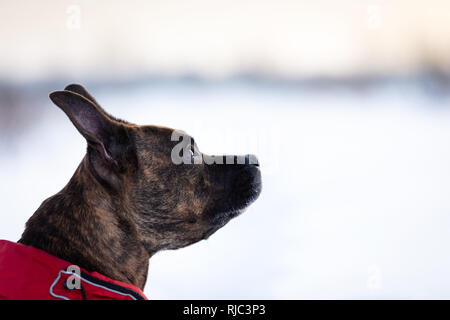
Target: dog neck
x,y
87,226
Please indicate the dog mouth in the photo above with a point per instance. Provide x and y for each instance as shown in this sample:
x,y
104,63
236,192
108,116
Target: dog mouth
x,y
237,187
233,210
221,219
251,196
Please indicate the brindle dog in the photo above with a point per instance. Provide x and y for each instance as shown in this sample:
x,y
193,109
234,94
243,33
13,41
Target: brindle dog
x,y
128,199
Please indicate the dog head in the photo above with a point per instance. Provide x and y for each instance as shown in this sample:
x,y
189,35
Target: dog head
x,y
175,194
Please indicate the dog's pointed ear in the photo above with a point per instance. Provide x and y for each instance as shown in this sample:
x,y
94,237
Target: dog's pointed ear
x,y
108,141
78,88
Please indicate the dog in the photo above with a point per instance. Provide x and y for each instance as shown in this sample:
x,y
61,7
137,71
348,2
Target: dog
x,y
131,197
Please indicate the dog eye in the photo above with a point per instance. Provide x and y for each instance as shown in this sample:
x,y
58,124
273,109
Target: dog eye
x,y
194,153
193,150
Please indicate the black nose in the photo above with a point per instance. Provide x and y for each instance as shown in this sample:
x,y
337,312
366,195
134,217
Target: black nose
x,y
251,159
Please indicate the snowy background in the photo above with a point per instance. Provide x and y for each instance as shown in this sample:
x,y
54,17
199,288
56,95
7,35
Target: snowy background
x,y
355,160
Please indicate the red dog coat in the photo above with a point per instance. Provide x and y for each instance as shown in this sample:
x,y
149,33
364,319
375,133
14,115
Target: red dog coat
x,y
27,273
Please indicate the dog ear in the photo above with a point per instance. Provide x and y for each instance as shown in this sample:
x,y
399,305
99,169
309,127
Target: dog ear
x,y
78,88
108,141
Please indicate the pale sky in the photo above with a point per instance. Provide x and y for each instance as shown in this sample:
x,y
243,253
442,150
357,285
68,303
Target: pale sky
x,y
46,38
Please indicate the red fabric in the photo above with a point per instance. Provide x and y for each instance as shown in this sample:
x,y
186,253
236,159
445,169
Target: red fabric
x,y
27,273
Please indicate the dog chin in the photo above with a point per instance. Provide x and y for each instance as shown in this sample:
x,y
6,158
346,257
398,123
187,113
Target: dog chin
x,y
224,217
254,194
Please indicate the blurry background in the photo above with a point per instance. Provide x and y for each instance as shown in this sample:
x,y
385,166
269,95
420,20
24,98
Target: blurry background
x,y
346,103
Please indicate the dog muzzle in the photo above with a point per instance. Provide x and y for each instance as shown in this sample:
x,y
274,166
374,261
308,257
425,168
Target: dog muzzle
x,y
27,273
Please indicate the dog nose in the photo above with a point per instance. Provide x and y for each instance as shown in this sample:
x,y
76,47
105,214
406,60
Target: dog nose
x,y
251,159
